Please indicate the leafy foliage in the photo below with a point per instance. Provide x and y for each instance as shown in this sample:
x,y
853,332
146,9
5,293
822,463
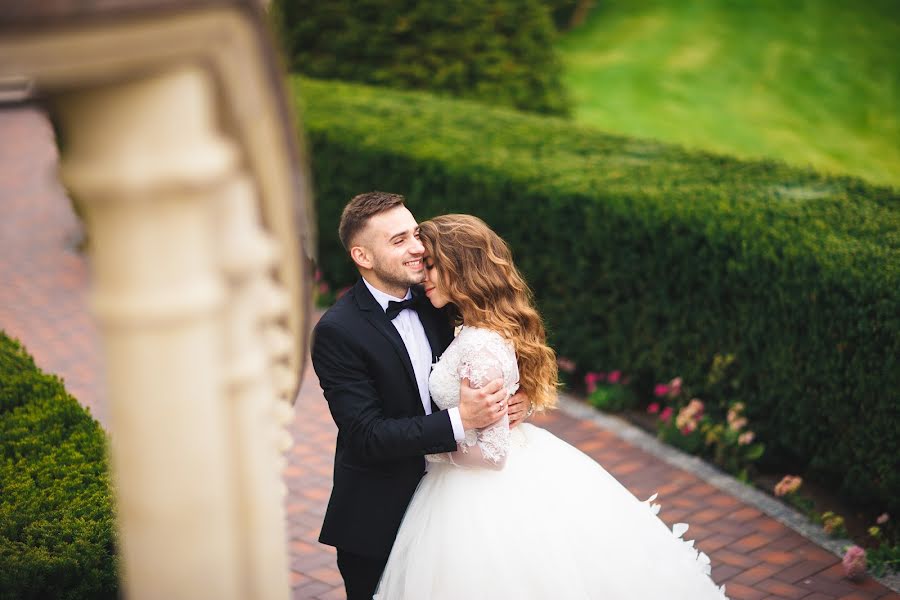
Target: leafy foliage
x,y
56,523
568,13
496,51
612,398
654,259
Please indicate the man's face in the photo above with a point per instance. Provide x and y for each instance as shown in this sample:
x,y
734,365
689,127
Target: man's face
x,y
391,240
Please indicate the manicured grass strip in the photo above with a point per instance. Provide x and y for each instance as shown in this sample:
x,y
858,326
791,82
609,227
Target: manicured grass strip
x,y
815,82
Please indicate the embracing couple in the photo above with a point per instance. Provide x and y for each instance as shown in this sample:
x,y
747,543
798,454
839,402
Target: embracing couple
x,y
440,490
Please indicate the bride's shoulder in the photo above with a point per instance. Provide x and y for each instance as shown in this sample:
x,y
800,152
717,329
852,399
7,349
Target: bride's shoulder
x,y
482,336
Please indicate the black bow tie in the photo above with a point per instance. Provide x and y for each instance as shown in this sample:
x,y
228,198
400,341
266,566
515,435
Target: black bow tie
x,y
394,308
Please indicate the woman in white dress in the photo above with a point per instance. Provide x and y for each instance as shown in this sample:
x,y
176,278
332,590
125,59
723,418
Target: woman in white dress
x,y
520,513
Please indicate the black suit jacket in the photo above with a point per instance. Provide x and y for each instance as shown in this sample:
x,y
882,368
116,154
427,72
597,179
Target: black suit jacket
x,y
383,432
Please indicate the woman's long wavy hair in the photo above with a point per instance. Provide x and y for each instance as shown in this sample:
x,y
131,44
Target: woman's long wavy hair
x,y
487,290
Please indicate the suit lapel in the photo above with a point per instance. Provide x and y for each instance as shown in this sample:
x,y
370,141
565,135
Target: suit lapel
x,y
375,315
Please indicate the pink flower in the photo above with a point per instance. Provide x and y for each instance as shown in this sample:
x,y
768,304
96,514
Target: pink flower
x,y
653,408
565,365
688,428
735,420
788,485
675,387
666,414
323,288
738,423
660,390
317,276
593,377
745,438
689,416
883,518
695,407
854,562
615,376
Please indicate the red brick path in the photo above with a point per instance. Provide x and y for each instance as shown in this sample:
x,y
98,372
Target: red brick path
x,y
42,303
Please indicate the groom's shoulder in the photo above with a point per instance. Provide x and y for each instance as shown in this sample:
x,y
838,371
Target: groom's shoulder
x,y
343,312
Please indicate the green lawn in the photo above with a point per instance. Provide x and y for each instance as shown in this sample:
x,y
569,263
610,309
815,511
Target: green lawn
x,y
811,82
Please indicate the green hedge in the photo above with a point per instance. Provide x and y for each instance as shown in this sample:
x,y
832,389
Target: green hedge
x,y
56,521
563,11
496,51
652,259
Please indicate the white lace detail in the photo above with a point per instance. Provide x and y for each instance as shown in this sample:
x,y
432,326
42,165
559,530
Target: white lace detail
x,y
494,441
480,355
438,458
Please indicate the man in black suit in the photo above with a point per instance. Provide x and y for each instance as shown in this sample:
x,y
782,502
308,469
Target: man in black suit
x,y
373,352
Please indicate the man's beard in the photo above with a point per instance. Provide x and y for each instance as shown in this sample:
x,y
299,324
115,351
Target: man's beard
x,y
398,276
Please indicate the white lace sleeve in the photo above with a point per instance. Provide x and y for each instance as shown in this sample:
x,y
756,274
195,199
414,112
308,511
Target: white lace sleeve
x,y
484,357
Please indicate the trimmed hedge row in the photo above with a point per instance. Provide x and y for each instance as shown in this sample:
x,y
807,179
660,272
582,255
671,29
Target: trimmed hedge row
x,y
495,51
57,537
652,259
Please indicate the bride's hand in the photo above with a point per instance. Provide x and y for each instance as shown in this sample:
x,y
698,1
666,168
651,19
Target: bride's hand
x,y
519,408
480,407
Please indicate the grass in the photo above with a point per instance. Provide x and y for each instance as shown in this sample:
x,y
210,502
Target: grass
x,y
811,82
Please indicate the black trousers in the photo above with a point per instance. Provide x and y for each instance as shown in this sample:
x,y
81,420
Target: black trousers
x,y
361,574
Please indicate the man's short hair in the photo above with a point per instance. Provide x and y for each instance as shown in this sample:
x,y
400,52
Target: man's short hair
x,y
362,208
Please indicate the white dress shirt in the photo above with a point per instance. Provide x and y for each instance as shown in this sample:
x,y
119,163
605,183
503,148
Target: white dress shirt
x,y
413,335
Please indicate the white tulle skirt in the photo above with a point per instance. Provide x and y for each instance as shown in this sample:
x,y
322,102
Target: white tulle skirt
x,y
551,524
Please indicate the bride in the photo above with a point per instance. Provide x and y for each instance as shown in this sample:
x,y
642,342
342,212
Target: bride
x,y
520,513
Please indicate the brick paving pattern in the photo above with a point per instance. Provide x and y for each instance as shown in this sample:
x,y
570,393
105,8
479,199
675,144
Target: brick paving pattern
x,y
42,275
42,302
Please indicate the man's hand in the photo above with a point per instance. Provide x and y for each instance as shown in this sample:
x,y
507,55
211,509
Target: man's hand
x,y
480,407
519,408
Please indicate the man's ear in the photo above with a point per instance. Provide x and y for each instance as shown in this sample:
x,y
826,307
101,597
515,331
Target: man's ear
x,y
361,256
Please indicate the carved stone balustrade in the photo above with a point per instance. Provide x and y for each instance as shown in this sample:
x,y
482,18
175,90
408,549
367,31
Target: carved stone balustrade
x,y
178,147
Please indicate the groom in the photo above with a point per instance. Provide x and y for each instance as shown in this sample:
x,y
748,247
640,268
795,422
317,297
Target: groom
x,y
373,352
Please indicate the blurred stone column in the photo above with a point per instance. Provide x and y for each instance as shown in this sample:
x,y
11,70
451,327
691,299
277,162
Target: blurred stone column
x,y
145,161
257,305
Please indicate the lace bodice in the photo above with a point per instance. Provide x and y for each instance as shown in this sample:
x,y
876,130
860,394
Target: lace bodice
x,y
481,355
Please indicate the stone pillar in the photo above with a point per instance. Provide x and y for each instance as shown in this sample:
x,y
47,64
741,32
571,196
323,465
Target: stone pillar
x,y
146,161
258,306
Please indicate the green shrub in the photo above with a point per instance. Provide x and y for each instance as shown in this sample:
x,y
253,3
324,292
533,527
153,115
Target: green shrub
x,y
495,51
653,259
56,522
568,13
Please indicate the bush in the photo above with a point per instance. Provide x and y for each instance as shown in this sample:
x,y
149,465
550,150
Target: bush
x,y
568,13
56,521
496,51
655,259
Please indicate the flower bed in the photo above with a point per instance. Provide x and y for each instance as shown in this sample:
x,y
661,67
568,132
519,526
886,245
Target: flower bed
x,y
726,439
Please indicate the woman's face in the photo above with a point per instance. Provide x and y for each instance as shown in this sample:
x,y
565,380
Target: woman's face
x,y
434,285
